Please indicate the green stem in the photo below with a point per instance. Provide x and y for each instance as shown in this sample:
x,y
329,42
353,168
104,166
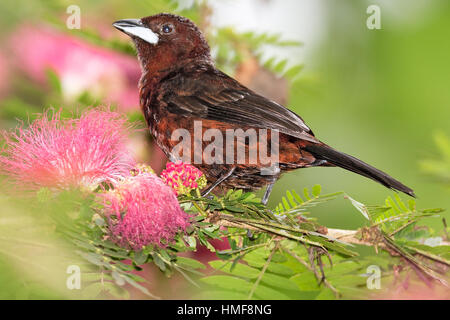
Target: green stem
x,y
429,255
245,249
266,265
265,223
201,210
288,236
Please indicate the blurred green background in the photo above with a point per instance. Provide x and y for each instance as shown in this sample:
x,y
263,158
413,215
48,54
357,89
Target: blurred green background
x,y
380,95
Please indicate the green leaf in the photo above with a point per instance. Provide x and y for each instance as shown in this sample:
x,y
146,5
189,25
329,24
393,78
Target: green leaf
x,y
343,267
286,205
188,262
122,254
348,280
280,269
279,257
220,295
335,246
326,294
316,190
266,293
360,207
297,197
280,66
306,194
278,281
92,290
306,281
294,265
291,199
192,242
116,291
239,270
159,262
293,71
257,258
92,258
140,257
228,282
119,278
293,204
92,276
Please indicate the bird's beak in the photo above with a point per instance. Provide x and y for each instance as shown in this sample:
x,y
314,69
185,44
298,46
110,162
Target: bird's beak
x,y
135,28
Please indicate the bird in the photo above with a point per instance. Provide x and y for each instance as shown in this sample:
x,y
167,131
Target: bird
x,y
181,87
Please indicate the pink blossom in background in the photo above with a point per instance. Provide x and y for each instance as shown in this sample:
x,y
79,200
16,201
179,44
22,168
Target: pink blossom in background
x,y
183,177
143,211
59,153
106,74
413,291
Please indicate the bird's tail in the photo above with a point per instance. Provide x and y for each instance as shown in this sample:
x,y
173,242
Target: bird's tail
x,y
345,161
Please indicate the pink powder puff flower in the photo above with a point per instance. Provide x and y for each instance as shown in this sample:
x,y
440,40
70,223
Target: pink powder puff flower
x,y
64,153
143,211
183,177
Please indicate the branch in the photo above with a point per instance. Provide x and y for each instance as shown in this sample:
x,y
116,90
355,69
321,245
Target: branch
x,y
348,236
367,236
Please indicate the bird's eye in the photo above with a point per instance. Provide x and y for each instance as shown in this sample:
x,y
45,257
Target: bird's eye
x,y
167,28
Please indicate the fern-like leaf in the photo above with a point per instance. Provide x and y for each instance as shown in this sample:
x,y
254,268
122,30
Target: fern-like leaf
x,y
293,204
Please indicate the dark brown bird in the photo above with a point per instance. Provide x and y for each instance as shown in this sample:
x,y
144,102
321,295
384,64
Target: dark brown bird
x,y
180,85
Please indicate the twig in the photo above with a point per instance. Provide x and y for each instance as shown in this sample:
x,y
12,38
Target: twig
x,y
413,261
347,236
261,274
403,227
429,255
350,236
266,223
310,268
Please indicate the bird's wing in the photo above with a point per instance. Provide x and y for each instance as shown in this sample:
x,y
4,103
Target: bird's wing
x,y
219,97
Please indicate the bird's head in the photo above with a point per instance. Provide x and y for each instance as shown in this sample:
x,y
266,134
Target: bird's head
x,y
165,41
